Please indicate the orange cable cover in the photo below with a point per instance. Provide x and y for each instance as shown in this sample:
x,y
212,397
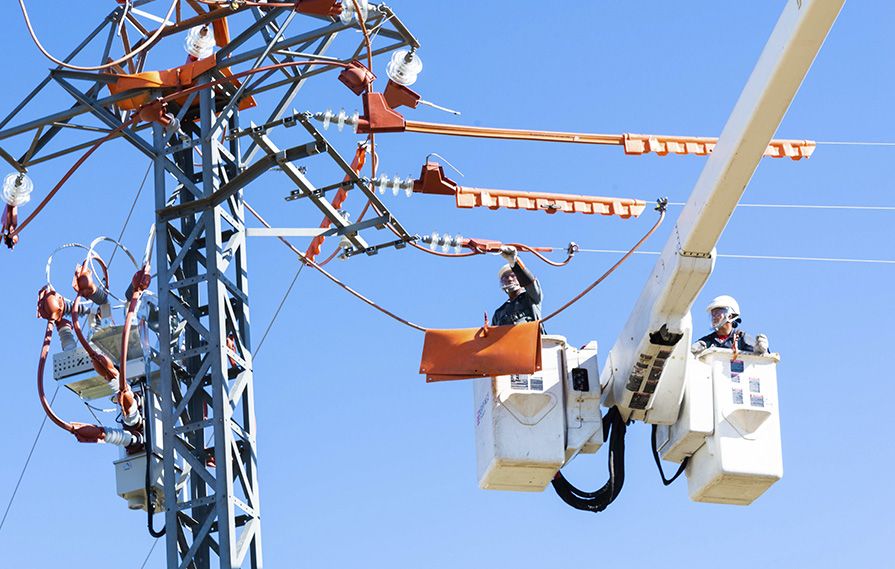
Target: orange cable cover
x,y
468,353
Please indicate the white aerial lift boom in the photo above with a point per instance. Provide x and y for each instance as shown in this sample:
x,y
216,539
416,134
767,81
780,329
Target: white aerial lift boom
x,y
715,416
700,400
661,316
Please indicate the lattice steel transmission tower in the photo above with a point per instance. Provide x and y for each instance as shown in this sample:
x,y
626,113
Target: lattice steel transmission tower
x,y
204,394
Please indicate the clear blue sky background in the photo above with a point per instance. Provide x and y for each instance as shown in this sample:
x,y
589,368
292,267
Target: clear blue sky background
x,y
362,463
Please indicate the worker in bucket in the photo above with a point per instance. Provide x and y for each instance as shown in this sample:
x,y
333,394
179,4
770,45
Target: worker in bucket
x,y
725,314
523,290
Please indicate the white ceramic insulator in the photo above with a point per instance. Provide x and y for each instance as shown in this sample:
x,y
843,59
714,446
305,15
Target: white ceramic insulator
x,y
381,182
407,186
17,189
133,418
119,437
456,243
199,42
404,67
348,12
67,338
446,243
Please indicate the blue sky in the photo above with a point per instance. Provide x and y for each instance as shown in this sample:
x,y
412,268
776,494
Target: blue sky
x,y
361,462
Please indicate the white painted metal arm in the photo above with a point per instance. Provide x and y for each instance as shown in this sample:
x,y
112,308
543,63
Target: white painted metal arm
x,y
644,373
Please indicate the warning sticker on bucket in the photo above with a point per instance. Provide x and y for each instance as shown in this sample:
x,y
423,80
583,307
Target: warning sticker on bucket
x,y
519,382
523,382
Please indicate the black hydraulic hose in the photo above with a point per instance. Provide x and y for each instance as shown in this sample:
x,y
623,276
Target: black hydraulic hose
x,y
680,469
614,429
150,503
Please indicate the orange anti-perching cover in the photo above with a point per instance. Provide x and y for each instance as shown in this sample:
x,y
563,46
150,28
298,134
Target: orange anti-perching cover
x,y
468,353
176,78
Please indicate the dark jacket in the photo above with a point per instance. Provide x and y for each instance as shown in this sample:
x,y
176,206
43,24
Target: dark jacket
x,y
526,306
745,342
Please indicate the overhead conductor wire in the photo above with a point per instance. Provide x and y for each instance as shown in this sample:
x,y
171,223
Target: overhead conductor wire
x,y
15,489
661,209
406,322
328,275
761,257
808,206
128,56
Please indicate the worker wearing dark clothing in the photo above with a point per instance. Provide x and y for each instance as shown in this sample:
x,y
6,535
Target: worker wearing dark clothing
x,y
725,313
523,289
745,343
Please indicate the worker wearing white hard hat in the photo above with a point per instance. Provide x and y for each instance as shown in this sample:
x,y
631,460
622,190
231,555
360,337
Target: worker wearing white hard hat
x,y
725,317
523,290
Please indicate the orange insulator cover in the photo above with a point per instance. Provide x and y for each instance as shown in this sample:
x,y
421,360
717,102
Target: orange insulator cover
x,y
551,203
468,353
176,78
433,181
636,144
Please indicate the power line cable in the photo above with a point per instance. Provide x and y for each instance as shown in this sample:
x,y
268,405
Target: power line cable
x,y
150,41
15,490
279,308
808,206
759,257
149,554
131,212
854,143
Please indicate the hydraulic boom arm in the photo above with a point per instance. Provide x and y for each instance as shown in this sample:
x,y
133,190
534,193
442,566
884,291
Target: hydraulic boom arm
x,y
644,373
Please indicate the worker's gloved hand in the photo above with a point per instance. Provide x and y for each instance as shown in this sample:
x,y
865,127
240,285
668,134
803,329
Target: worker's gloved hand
x,y
761,344
508,252
698,347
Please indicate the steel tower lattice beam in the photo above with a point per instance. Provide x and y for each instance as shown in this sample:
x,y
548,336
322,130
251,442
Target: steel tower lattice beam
x,y
205,393
203,280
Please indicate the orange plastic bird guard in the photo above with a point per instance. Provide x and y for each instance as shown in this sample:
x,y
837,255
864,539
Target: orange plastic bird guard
x,y
468,353
176,78
433,181
636,144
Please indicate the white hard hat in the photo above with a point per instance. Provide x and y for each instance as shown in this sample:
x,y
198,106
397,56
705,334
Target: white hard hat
x,y
503,270
724,301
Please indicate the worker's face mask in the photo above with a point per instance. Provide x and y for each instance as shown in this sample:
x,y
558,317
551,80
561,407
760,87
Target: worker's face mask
x,y
721,316
509,283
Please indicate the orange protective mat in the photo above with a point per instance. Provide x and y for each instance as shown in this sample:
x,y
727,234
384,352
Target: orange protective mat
x,y
468,353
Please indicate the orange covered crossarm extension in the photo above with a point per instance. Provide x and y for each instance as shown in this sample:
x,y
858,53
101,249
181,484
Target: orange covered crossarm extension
x,y
357,164
634,144
468,353
433,181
